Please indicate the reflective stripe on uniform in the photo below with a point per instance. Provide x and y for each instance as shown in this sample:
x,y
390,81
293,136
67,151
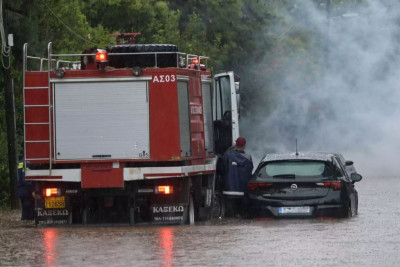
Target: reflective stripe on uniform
x,y
233,193
20,165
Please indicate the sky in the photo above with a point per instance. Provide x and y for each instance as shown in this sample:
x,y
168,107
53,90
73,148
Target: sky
x,y
353,106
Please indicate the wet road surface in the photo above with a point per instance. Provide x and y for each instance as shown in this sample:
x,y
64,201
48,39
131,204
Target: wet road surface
x,y
370,239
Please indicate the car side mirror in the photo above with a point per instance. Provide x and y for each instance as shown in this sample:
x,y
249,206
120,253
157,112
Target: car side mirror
x,y
349,163
355,177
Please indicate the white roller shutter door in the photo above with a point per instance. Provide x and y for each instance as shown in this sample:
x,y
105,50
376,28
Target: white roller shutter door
x,y
101,120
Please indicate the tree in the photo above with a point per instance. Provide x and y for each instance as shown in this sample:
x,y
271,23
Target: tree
x,y
153,19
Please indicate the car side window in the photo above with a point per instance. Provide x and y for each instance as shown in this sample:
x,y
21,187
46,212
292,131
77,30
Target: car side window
x,y
341,170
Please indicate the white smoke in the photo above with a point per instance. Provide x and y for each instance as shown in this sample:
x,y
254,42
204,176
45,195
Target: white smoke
x,y
352,103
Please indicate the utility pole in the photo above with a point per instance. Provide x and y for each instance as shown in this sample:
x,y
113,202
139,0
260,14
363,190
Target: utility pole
x,y
10,116
11,137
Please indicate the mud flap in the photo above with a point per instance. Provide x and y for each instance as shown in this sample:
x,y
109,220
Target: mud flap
x,y
168,214
53,217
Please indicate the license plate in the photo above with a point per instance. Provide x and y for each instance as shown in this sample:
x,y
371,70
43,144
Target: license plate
x,y
294,210
54,203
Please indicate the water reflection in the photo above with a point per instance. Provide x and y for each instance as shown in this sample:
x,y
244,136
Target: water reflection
x,y
50,239
166,240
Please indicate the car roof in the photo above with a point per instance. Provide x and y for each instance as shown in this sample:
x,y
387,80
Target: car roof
x,y
324,156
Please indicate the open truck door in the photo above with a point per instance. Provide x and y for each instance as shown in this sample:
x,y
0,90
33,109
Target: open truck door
x,y
226,105
225,111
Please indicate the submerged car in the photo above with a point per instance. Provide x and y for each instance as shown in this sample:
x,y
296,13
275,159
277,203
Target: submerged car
x,y
303,185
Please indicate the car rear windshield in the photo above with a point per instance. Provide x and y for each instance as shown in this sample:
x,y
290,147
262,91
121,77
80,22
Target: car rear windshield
x,y
295,168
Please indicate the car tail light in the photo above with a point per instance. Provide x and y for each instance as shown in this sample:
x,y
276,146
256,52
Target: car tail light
x,y
164,189
49,192
254,186
333,185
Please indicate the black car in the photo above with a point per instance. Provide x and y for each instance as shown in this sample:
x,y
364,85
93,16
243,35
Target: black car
x,y
303,185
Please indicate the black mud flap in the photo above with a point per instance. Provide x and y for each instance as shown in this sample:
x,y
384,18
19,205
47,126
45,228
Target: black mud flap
x,y
169,213
53,217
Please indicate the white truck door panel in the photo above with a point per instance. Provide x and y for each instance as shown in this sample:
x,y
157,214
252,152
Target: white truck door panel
x,y
225,111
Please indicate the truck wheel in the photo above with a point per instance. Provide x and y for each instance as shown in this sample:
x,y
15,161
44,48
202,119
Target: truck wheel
x,y
188,215
218,210
191,211
131,216
84,216
70,217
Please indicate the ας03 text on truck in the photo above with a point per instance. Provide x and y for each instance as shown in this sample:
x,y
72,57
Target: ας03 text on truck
x,y
131,134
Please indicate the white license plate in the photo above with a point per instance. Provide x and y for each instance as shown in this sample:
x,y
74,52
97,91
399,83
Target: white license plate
x,y
292,210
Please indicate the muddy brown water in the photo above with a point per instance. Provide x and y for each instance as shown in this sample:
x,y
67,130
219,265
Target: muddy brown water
x,y
370,239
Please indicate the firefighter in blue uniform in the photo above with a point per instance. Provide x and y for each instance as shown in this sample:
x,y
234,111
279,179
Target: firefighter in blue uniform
x,y
26,194
238,167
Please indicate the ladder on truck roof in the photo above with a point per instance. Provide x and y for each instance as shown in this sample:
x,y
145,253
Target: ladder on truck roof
x,y
48,123
47,105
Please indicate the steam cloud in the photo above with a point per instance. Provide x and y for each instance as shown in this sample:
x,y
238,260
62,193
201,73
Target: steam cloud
x,y
352,105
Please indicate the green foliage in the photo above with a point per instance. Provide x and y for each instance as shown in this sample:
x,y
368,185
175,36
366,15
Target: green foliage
x,y
153,19
64,24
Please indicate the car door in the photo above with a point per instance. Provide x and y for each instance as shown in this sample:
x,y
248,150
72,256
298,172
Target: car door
x,y
349,186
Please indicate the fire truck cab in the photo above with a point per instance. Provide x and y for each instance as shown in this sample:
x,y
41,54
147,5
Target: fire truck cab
x,y
130,134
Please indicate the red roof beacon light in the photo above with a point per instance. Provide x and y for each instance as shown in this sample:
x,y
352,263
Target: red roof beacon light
x,y
196,60
101,56
195,63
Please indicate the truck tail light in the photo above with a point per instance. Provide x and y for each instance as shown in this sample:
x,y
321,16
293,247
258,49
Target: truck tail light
x,y
49,192
333,185
101,56
254,186
164,189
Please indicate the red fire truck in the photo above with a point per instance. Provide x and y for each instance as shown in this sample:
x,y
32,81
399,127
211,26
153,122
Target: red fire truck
x,y
130,134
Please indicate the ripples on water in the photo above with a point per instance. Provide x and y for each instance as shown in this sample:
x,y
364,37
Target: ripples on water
x,y
370,239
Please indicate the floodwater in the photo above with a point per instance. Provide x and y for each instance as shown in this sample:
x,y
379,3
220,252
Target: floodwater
x,y
370,239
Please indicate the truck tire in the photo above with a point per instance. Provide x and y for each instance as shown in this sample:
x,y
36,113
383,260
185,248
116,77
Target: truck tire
x,y
131,216
84,216
189,214
70,217
218,208
191,211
